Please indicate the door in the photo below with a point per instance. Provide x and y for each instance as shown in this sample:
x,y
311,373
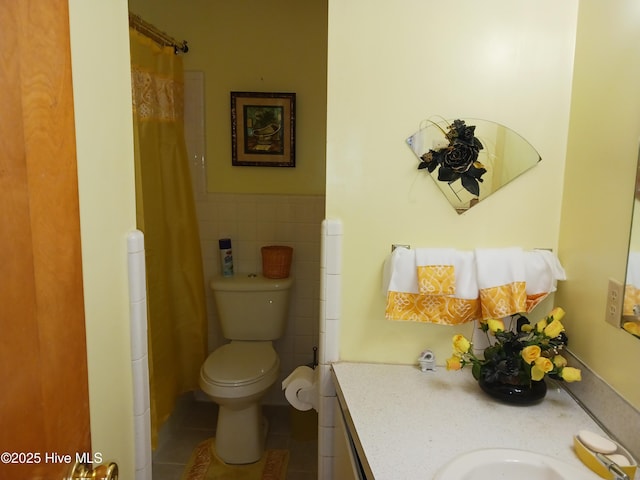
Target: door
x,y
44,406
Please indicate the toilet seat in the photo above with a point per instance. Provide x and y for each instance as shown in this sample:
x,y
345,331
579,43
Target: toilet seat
x,y
239,364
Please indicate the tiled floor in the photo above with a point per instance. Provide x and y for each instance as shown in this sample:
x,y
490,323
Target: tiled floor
x,y
194,421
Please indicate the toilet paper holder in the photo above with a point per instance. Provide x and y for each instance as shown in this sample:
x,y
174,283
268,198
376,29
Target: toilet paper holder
x,y
427,360
314,363
301,388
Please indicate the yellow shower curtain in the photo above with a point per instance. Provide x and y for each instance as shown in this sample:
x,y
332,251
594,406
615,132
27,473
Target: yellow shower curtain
x,y
165,209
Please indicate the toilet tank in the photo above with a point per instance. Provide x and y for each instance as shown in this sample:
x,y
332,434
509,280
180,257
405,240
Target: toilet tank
x,y
252,307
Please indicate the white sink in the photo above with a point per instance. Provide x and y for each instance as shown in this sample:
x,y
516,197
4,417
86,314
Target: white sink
x,y
506,463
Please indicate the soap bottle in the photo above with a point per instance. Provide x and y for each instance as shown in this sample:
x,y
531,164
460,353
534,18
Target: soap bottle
x,y
226,257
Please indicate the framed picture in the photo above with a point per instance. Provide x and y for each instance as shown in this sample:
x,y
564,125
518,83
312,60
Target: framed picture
x,y
263,129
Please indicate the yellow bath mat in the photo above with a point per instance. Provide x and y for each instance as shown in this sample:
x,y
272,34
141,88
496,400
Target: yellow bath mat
x,y
205,465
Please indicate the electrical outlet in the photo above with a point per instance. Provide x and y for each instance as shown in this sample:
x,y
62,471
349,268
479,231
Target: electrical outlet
x,y
615,295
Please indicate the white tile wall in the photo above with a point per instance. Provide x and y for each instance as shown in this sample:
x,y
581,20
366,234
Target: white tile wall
x,y
139,354
330,300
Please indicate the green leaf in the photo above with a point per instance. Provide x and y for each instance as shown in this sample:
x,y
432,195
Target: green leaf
x,y
475,370
491,352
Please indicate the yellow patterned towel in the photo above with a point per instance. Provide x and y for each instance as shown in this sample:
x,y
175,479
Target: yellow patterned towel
x,y
450,287
436,279
515,281
436,271
431,285
501,281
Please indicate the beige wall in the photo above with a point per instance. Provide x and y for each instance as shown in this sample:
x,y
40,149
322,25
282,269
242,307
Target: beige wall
x,y
599,186
274,46
394,64
102,86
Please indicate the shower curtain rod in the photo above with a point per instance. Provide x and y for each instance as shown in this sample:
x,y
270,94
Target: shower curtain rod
x,y
137,23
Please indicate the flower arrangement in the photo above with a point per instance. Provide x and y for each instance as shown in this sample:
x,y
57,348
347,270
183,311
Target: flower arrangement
x,y
519,357
458,159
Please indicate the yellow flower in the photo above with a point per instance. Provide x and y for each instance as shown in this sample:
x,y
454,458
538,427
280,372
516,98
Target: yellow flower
x,y
544,364
556,314
536,344
536,373
541,365
453,363
554,329
495,325
461,344
570,374
559,361
530,353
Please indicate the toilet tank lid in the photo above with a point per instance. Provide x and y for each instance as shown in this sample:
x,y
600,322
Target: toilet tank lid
x,y
248,282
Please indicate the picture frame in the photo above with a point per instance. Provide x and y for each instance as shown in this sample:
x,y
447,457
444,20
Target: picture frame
x,y
263,129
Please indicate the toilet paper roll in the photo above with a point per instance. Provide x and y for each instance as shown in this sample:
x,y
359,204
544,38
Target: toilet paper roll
x,y
301,389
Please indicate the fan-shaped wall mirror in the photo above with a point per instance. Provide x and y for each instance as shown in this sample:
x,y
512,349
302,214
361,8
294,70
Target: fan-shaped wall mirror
x,y
469,159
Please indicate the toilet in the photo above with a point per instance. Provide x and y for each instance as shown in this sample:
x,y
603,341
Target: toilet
x,y
252,311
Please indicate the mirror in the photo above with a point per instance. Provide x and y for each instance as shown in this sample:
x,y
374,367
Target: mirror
x,y
631,305
469,159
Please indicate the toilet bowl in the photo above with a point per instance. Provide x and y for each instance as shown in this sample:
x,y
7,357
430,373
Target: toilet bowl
x,y
252,312
236,376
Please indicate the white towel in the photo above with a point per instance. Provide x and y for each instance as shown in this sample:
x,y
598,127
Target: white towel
x,y
467,279
435,256
542,271
405,301
499,266
400,274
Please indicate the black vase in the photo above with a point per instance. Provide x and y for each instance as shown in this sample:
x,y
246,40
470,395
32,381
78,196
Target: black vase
x,y
515,394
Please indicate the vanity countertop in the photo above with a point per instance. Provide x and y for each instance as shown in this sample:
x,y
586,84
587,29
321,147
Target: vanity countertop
x,y
407,424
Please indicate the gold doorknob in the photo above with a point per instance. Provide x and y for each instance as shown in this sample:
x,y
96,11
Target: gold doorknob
x,y
83,471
